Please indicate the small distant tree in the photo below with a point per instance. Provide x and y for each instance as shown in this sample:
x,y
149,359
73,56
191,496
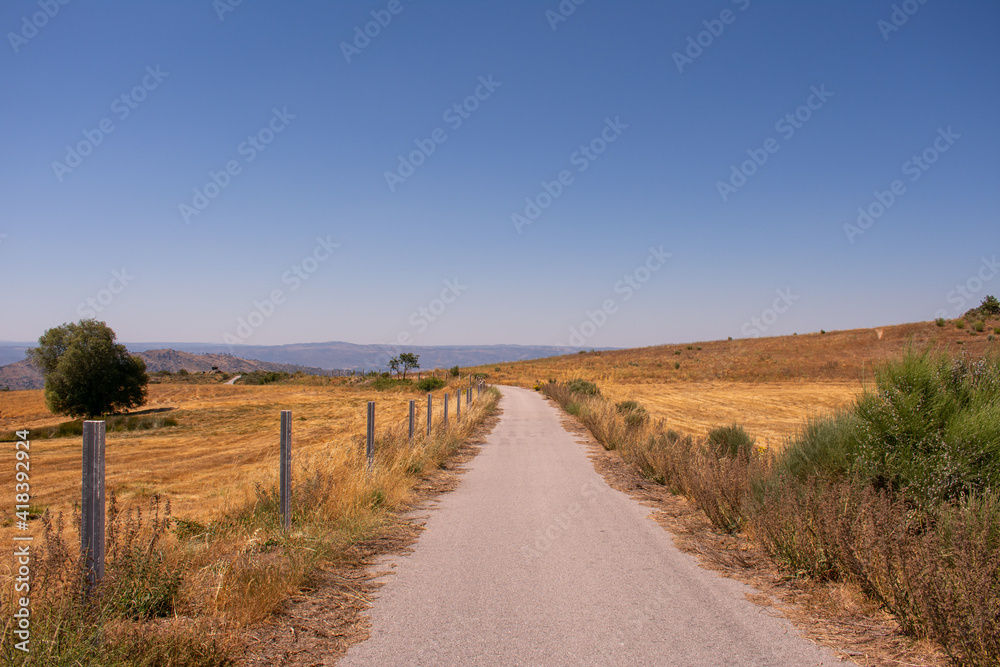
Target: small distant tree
x,y
86,373
394,364
409,360
990,306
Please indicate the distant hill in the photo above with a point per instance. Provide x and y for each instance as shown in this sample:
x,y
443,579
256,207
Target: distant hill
x,y
340,355
350,356
22,375
833,355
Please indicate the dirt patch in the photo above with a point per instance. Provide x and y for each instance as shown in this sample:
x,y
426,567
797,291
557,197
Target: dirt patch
x,y
834,615
318,626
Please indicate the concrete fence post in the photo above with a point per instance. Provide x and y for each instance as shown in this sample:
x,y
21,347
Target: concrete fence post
x,y
92,511
429,398
445,421
413,412
370,443
285,469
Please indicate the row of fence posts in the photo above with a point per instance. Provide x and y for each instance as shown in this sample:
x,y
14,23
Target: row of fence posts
x,y
93,508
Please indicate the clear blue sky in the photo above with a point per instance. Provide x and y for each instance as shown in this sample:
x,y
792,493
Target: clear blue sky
x,y
309,118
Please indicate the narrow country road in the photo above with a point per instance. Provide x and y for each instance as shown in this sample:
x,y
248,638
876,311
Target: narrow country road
x,y
534,560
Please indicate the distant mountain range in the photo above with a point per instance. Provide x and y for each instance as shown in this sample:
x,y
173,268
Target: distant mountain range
x,y
314,358
22,375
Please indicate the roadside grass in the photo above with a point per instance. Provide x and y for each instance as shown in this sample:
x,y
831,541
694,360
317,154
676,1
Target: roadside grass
x,y
180,592
896,494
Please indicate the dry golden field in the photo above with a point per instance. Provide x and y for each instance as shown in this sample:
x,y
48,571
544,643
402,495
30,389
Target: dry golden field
x,y
770,411
227,439
768,385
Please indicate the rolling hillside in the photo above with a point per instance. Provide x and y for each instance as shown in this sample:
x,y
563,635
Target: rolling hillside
x,y
834,355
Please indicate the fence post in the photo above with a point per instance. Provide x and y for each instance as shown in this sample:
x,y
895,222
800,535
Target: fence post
x,y
445,422
285,469
413,408
370,444
429,397
458,404
468,396
92,511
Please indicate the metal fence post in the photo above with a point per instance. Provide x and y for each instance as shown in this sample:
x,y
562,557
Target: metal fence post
x,y
445,421
429,397
92,511
370,445
413,408
285,469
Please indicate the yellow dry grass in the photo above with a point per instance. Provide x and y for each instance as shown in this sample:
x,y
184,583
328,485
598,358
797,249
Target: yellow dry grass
x,y
227,440
770,411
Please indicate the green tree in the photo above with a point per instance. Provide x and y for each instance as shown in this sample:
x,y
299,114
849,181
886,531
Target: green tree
x,y
86,373
394,364
409,360
990,306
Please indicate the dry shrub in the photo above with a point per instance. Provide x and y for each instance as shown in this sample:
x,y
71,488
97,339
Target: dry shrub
x,y
939,575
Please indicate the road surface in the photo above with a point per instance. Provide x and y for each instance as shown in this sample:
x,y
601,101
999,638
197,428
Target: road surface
x,y
534,560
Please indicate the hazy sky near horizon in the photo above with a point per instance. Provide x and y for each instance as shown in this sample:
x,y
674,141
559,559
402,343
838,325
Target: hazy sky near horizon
x,y
425,172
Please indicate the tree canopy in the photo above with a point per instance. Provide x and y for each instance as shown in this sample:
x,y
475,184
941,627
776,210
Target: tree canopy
x,y
86,373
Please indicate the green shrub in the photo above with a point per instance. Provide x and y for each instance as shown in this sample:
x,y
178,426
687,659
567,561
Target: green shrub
x,y
931,427
454,371
979,326
579,386
677,365
959,324
677,352
263,377
385,382
730,442
824,448
940,321
430,383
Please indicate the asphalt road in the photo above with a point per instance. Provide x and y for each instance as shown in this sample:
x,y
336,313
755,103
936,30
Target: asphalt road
x,y
534,560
